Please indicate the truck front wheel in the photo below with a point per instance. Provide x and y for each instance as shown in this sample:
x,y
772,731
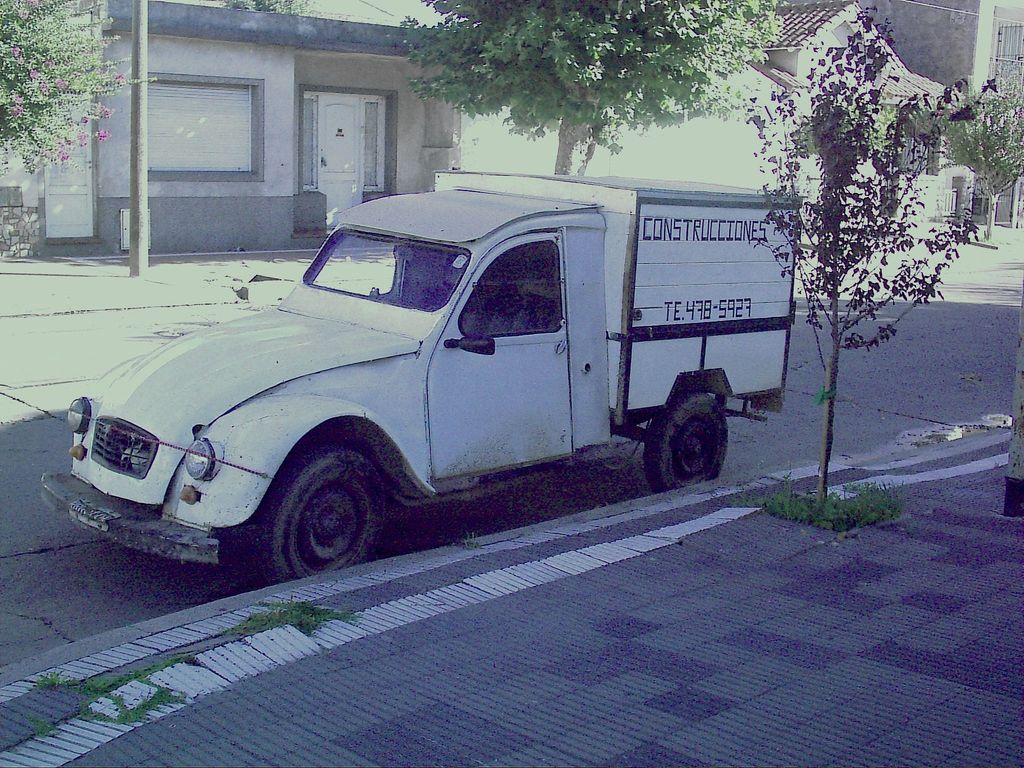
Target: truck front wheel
x,y
685,443
322,511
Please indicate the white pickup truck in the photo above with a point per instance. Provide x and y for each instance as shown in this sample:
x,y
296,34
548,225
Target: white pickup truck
x,y
498,322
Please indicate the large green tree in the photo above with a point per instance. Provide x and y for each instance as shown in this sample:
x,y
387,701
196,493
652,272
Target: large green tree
x,y
52,71
589,68
992,145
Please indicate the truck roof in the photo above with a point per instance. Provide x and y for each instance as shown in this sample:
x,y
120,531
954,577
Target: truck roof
x,y
644,186
454,216
614,194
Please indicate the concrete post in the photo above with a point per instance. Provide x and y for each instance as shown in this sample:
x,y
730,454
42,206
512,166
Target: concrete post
x,y
1013,503
138,249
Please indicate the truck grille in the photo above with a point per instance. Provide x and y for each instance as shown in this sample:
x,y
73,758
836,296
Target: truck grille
x,y
123,447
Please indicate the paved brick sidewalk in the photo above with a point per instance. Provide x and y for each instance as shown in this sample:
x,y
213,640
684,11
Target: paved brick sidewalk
x,y
754,642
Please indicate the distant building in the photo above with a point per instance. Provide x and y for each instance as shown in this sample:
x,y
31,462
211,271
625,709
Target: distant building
x,y
950,40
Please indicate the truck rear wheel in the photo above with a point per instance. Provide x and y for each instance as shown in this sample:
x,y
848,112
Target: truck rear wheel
x,y
685,443
322,511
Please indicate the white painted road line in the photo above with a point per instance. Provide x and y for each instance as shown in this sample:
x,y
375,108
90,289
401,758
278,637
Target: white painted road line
x,y
981,465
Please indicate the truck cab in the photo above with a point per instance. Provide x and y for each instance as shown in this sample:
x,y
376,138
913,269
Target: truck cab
x,y
498,322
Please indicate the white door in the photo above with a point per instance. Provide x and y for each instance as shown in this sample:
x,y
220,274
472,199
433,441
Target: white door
x,y
68,196
510,408
339,139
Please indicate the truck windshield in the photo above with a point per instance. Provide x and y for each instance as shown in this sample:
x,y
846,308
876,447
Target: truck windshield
x,y
390,270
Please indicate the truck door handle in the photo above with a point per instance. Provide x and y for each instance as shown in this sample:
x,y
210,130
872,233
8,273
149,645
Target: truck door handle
x,y
561,346
478,345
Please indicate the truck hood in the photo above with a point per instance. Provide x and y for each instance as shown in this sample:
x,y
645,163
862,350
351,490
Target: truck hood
x,y
195,379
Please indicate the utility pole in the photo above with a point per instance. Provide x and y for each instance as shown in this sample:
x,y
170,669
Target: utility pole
x,y
138,249
1013,503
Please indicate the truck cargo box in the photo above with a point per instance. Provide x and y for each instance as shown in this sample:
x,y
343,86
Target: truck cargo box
x,y
692,284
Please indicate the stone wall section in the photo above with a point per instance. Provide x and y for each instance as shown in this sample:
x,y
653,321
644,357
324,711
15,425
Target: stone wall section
x,y
19,226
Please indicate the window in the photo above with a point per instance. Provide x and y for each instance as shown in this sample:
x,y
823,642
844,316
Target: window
x,y
519,293
1008,62
373,137
310,150
389,270
203,127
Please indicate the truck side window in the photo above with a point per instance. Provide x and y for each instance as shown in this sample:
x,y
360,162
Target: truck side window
x,y
519,293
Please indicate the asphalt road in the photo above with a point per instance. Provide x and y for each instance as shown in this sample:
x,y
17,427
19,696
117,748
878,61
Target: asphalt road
x,y
951,363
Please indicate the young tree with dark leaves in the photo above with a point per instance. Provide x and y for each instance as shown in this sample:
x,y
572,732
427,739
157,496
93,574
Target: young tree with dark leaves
x,y
858,241
589,69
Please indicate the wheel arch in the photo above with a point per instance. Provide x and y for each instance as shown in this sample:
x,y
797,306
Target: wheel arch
x,y
713,381
362,434
262,435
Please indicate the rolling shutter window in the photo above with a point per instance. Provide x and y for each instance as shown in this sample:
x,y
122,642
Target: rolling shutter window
x,y
200,127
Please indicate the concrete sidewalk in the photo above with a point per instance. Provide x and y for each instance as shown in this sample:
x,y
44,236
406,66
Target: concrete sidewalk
x,y
66,322
36,288
678,630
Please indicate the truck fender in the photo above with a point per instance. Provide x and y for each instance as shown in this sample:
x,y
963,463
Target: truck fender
x,y
255,439
712,380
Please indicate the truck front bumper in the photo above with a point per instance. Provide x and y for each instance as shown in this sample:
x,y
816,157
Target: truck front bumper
x,y
138,526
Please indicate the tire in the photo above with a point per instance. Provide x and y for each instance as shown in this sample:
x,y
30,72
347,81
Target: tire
x,y
322,511
685,443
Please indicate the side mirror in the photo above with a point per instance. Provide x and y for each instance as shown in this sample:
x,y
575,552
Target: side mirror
x,y
478,345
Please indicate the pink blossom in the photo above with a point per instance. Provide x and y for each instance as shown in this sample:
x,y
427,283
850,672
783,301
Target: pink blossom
x,y
15,51
44,87
17,110
17,99
120,79
83,139
62,84
84,120
102,135
34,74
51,63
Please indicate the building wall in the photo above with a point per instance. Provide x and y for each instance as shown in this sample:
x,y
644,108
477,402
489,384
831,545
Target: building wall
x,y
932,41
196,214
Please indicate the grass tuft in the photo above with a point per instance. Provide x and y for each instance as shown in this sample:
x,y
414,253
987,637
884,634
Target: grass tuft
x,y
40,726
304,616
158,699
53,680
871,504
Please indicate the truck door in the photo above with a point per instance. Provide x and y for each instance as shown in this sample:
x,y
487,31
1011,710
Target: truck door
x,y
509,408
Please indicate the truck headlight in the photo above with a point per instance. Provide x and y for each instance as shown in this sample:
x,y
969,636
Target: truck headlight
x,y
201,460
79,415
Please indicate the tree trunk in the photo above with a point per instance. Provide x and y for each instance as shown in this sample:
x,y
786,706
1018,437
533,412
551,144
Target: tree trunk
x,y
828,422
574,140
990,224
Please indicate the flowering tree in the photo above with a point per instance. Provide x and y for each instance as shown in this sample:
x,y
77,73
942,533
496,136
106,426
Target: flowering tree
x,y
992,145
857,238
51,72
